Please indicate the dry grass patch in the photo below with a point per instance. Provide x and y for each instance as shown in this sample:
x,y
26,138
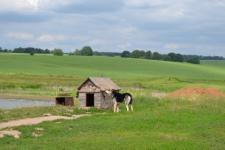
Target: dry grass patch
x,y
196,93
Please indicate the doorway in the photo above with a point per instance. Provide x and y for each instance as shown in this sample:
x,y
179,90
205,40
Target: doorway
x,y
90,100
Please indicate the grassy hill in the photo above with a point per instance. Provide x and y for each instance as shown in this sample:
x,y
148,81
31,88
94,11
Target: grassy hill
x,y
214,63
43,74
115,67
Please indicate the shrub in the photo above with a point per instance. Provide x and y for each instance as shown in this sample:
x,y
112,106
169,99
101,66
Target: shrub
x,y
57,52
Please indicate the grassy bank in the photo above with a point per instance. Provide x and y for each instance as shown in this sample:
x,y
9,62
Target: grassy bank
x,y
155,124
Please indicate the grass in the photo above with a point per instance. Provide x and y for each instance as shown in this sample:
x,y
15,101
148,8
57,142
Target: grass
x,y
41,75
7,115
214,63
104,66
155,124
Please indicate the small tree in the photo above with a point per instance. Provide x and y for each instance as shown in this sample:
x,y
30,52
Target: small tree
x,y
58,52
31,53
148,55
156,56
125,54
138,54
86,51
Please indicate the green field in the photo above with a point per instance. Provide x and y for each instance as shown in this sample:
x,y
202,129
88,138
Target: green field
x,y
118,68
41,75
156,124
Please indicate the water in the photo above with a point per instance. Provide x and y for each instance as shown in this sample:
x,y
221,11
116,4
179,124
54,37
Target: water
x,y
19,103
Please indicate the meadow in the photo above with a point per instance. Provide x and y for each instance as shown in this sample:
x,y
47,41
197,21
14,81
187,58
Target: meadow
x,y
40,76
156,123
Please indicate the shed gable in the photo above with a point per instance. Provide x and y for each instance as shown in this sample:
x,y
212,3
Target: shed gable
x,y
89,87
101,83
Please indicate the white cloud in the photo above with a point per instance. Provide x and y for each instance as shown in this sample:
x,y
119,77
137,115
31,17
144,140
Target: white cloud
x,y
51,38
114,25
18,5
145,3
20,36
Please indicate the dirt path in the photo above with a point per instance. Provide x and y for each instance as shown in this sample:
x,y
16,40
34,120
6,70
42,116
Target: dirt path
x,y
13,133
30,121
34,121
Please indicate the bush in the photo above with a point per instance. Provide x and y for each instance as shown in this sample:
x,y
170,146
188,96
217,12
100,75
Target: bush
x,y
31,53
86,51
58,52
125,54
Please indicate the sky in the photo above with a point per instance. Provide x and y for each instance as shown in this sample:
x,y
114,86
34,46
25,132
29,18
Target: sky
x,y
182,26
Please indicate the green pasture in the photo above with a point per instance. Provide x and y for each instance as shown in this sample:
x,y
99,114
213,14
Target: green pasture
x,y
154,125
214,63
41,75
116,67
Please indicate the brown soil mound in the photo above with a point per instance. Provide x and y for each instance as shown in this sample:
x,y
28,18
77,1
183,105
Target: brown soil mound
x,y
189,92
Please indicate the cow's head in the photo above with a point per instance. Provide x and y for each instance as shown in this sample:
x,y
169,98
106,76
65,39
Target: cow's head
x,y
109,92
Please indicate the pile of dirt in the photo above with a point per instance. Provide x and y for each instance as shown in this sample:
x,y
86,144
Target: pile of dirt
x,y
193,92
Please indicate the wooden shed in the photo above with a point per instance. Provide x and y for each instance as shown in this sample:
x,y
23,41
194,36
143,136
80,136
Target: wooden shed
x,y
64,100
92,92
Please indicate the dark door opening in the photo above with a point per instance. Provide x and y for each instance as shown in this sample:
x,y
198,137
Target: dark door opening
x,y
90,100
60,101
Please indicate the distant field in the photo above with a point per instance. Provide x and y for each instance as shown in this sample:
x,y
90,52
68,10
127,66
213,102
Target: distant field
x,y
104,66
41,75
214,63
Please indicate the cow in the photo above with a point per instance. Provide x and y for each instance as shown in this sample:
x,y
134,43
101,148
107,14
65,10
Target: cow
x,y
120,98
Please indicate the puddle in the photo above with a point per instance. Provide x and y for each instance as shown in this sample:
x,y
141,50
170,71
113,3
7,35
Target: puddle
x,y
19,103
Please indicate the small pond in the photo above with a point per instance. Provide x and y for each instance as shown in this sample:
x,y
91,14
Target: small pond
x,y
19,103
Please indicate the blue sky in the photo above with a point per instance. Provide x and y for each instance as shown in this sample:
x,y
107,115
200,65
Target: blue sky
x,y
184,26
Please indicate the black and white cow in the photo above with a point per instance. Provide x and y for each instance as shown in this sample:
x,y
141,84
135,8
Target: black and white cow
x,y
120,98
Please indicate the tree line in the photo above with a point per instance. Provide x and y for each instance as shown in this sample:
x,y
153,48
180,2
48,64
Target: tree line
x,y
175,57
142,54
26,50
32,51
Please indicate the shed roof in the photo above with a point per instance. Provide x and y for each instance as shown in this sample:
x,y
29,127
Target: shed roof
x,y
102,83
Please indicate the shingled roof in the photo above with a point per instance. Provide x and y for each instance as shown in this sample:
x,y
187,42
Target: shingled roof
x,y
102,83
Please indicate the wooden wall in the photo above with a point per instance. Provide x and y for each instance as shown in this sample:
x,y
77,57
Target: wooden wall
x,y
106,101
97,100
101,100
89,87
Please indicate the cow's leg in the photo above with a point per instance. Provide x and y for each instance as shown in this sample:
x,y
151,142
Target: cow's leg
x,y
118,110
114,105
127,107
127,100
131,107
